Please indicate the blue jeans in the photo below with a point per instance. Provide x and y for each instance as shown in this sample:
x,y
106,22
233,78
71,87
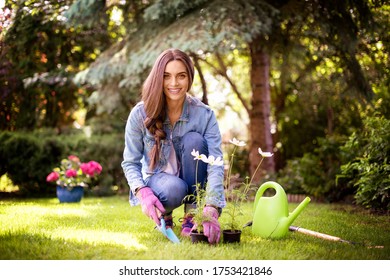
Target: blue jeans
x,y
170,189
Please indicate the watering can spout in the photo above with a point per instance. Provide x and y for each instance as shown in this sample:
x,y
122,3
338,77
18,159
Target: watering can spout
x,y
293,215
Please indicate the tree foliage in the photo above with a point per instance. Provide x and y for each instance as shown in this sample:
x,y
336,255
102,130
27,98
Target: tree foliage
x,y
323,57
316,76
328,64
40,57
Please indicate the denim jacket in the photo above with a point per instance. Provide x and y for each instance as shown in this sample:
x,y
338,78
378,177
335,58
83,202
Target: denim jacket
x,y
197,117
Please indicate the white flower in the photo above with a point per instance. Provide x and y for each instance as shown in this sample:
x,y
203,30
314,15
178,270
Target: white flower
x,y
236,142
212,160
265,154
196,154
204,158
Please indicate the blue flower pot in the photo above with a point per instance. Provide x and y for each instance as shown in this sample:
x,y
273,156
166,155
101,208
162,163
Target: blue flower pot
x,y
73,195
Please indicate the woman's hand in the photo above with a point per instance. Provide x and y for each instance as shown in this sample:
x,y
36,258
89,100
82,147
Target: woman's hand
x,y
150,204
211,229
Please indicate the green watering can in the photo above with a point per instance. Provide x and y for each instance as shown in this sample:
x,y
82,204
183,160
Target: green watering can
x,y
271,218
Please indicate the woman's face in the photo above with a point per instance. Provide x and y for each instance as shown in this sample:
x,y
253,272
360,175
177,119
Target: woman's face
x,y
175,81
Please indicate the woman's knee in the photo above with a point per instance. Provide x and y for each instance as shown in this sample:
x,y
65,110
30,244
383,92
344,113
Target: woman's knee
x,y
169,189
194,140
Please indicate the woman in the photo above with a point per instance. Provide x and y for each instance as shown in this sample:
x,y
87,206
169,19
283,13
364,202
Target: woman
x,y
160,134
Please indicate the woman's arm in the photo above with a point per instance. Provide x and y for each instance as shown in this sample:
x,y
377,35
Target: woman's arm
x,y
133,152
215,174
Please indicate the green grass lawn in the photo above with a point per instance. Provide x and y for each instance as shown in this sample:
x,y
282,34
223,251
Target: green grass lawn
x,y
109,229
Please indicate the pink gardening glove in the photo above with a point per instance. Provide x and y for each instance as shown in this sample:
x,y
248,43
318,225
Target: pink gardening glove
x,y
212,228
149,203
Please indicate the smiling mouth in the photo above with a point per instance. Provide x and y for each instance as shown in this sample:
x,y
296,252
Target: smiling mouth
x,y
174,90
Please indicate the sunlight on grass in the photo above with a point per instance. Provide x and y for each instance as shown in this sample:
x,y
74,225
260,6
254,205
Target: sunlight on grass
x,y
96,237
37,215
108,228
69,212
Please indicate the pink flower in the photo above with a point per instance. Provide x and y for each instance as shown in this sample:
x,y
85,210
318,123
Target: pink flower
x,y
86,169
97,168
53,176
71,173
91,168
73,158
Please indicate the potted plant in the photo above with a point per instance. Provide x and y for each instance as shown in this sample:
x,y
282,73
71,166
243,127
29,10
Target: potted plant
x,y
235,196
72,176
197,234
232,231
200,197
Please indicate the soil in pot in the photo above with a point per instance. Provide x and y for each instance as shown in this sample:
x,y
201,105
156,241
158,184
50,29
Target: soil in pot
x,y
197,237
231,236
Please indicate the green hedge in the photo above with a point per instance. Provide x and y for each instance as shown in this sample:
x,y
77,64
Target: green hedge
x,y
28,157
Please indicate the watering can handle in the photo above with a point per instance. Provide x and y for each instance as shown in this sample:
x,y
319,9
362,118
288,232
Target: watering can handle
x,y
263,188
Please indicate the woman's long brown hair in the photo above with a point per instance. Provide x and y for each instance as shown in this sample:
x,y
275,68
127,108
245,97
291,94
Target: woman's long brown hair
x,y
154,98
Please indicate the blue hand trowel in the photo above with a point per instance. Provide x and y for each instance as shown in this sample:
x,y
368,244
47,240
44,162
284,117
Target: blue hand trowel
x,y
168,232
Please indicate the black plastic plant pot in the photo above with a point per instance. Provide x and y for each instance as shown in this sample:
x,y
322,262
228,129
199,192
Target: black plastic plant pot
x,y
197,237
231,236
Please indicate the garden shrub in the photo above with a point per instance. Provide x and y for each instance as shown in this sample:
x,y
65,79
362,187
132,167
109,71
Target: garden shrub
x,y
315,172
290,177
27,158
368,172
4,136
107,149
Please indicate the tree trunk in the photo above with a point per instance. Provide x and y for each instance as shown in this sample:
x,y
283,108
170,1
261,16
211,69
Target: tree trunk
x,y
259,117
205,99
